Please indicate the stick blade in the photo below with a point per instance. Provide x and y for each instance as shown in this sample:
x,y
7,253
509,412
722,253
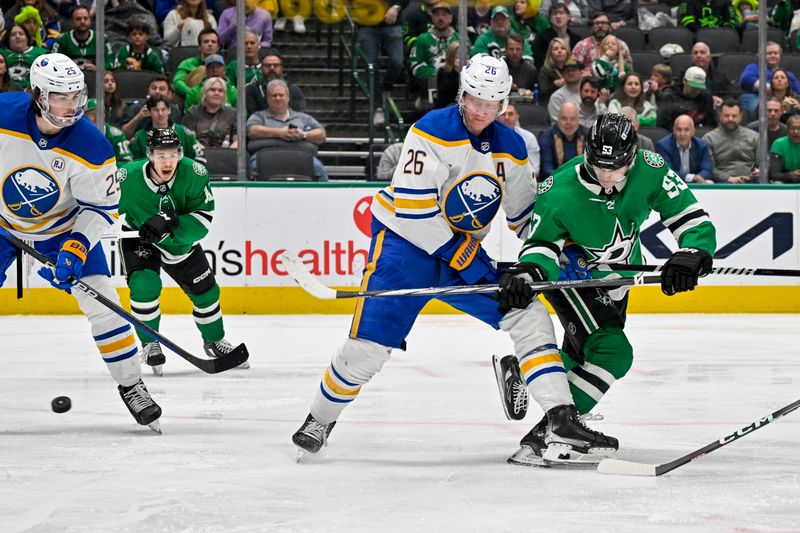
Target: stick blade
x,y
625,468
298,271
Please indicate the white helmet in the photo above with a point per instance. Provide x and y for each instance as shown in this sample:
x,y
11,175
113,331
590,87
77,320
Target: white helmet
x,y
486,77
56,73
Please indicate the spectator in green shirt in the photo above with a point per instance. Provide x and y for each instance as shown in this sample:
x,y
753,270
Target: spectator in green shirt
x,y
784,164
187,74
136,55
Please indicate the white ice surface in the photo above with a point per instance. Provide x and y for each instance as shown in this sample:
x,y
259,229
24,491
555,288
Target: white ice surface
x,y
423,448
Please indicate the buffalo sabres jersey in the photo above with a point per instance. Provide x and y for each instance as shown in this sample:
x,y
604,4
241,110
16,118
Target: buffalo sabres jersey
x,y
450,181
54,184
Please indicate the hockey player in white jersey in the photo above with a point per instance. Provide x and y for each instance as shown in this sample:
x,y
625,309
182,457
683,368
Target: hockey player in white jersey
x,y
458,166
58,188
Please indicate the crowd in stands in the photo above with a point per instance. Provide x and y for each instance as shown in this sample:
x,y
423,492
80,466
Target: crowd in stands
x,y
568,58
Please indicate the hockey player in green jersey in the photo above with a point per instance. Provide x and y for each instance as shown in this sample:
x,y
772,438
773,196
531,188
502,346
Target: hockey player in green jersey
x,y
591,210
167,197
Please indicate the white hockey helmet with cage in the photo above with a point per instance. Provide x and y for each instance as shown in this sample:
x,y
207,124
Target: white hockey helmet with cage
x,y
487,78
57,73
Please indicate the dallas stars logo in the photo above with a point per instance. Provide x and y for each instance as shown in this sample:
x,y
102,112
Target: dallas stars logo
x,y
618,250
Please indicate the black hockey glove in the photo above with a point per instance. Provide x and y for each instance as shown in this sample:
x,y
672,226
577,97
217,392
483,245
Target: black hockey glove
x,y
158,227
682,270
515,290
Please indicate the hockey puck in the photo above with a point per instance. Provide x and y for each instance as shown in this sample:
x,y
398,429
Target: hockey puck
x,y
61,404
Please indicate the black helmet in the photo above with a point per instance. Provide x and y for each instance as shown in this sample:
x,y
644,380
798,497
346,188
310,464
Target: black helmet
x,y
162,138
612,142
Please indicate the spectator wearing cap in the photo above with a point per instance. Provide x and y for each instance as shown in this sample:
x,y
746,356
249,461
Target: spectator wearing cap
x,y
511,119
136,55
589,49
775,128
418,21
158,109
256,19
281,126
186,75
691,98
686,153
559,16
569,92
80,43
784,164
272,69
734,149
428,53
114,135
719,85
215,68
494,41
749,80
563,141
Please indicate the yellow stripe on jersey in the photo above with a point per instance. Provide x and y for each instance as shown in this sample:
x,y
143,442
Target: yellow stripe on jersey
x,y
16,134
376,253
511,157
437,140
405,203
386,205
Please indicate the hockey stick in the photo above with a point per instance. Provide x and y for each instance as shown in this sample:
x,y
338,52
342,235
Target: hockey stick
x,y
737,271
312,285
210,366
630,468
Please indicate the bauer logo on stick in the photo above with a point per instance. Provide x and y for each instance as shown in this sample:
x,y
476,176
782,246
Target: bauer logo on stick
x,y
472,201
30,192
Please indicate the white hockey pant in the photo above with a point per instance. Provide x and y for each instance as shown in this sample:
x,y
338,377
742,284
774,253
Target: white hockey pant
x,y
114,337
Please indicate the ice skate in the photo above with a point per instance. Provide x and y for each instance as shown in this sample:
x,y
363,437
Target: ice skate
x,y
311,436
223,348
513,389
141,405
532,447
570,442
154,357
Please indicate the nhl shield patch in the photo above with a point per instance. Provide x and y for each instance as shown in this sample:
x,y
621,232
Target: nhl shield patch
x,y
653,159
544,186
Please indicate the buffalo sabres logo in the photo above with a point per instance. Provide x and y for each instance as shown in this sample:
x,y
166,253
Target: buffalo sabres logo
x,y
30,192
472,202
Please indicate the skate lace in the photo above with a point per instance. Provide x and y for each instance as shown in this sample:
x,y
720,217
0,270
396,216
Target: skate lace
x,y
520,398
315,430
224,346
138,397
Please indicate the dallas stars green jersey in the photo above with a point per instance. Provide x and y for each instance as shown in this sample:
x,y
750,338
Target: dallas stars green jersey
x,y
427,54
82,52
188,194
148,60
251,72
117,139
19,64
572,208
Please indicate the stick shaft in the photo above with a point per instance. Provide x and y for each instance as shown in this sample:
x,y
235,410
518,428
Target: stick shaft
x,y
729,271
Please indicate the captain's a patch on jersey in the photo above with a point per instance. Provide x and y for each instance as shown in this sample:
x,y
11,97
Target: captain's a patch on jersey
x,y
544,186
199,168
653,159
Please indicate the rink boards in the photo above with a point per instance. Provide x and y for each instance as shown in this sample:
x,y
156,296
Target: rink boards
x,y
328,225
